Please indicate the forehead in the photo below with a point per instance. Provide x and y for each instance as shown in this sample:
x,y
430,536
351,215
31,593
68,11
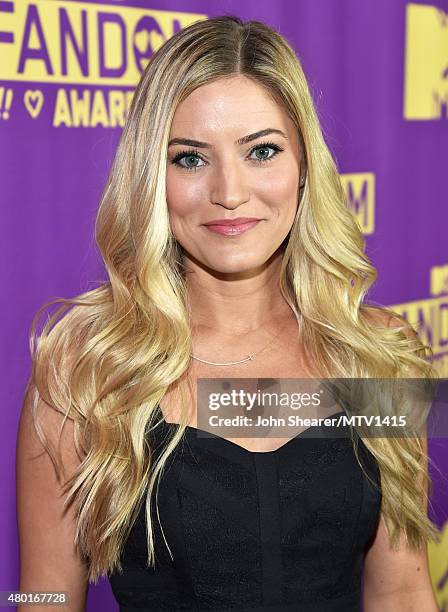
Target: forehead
x,y
230,106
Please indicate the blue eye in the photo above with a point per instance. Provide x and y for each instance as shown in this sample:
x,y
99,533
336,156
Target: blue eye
x,y
186,155
191,155
265,146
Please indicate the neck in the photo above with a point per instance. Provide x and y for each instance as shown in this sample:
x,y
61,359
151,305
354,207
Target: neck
x,y
235,303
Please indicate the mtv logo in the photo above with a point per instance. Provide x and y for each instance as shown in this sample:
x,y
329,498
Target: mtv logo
x,y
360,192
426,63
439,280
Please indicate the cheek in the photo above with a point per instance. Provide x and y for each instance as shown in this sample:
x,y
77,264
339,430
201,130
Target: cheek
x,y
183,210
281,181
182,197
278,190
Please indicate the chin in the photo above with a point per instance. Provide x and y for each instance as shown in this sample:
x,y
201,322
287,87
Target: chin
x,y
238,267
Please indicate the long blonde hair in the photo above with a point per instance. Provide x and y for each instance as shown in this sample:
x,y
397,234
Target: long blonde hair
x,y
106,358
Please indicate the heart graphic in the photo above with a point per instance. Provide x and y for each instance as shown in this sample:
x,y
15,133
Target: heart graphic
x,y
156,40
34,100
141,40
146,41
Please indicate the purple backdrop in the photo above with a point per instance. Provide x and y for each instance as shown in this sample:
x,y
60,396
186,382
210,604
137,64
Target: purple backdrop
x,y
379,76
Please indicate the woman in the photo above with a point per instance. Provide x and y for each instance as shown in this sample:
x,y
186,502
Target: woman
x,y
222,127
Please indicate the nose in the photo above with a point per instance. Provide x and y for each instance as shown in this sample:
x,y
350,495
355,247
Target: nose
x,y
229,188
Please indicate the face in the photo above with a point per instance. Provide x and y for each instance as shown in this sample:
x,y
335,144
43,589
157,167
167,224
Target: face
x,y
245,162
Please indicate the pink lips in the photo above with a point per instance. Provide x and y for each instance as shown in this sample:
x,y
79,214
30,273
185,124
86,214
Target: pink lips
x,y
232,230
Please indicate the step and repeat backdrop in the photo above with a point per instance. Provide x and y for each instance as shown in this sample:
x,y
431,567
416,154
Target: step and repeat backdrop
x,y
378,71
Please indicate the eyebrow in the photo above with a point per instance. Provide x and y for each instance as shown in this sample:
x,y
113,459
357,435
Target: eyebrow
x,y
240,141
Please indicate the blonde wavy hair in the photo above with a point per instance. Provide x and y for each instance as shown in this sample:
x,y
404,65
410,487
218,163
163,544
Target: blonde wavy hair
x,y
106,358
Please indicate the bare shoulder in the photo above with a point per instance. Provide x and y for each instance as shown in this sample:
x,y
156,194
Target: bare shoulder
x,y
49,559
58,430
383,316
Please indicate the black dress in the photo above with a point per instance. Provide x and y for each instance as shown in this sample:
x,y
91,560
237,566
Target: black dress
x,y
278,531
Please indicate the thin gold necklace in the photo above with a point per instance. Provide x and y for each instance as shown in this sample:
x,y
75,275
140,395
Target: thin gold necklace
x,y
250,357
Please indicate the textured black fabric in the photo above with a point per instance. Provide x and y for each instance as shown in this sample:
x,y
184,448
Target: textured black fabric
x,y
259,531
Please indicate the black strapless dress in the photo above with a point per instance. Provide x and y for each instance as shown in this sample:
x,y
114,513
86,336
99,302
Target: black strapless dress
x,y
278,531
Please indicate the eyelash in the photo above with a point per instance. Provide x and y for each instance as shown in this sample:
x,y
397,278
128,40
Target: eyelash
x,y
263,145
